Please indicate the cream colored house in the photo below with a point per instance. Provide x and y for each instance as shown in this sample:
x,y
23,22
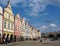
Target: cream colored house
x,y
36,33
29,31
8,26
33,32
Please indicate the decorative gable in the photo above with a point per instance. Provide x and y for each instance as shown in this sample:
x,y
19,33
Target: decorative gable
x,y
18,15
8,8
8,5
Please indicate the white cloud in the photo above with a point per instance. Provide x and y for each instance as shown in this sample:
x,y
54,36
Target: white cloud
x,y
36,5
13,2
44,27
52,25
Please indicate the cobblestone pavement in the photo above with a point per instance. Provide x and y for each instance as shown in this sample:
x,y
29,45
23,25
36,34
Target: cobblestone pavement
x,y
33,43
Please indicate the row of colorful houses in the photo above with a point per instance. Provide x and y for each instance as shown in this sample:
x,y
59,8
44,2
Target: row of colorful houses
x,y
11,25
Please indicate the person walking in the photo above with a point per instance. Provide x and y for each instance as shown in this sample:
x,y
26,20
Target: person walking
x,y
41,40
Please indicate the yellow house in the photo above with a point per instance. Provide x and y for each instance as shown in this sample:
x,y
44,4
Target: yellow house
x,y
8,27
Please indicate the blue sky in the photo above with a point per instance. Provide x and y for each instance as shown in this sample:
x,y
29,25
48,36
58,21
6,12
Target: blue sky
x,y
41,14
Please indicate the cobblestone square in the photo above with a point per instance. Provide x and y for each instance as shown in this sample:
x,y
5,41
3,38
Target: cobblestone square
x,y
33,43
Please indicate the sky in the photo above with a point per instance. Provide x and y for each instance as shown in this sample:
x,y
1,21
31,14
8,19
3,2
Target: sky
x,y
41,14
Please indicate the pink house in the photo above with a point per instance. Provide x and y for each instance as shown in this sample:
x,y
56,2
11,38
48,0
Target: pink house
x,y
17,26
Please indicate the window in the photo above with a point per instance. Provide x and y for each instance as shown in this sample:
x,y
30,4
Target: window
x,y
8,25
0,35
12,26
9,17
4,24
15,28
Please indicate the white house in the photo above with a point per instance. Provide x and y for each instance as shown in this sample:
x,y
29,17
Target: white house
x,y
1,20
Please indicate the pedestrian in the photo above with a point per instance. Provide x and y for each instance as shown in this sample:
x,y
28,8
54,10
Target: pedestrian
x,y
40,39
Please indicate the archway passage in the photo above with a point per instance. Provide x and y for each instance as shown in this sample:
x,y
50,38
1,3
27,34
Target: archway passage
x,y
0,37
3,38
11,37
58,36
8,38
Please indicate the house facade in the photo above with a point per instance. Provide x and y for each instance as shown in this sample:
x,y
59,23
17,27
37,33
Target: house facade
x,y
23,29
8,22
17,26
27,30
11,26
1,23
